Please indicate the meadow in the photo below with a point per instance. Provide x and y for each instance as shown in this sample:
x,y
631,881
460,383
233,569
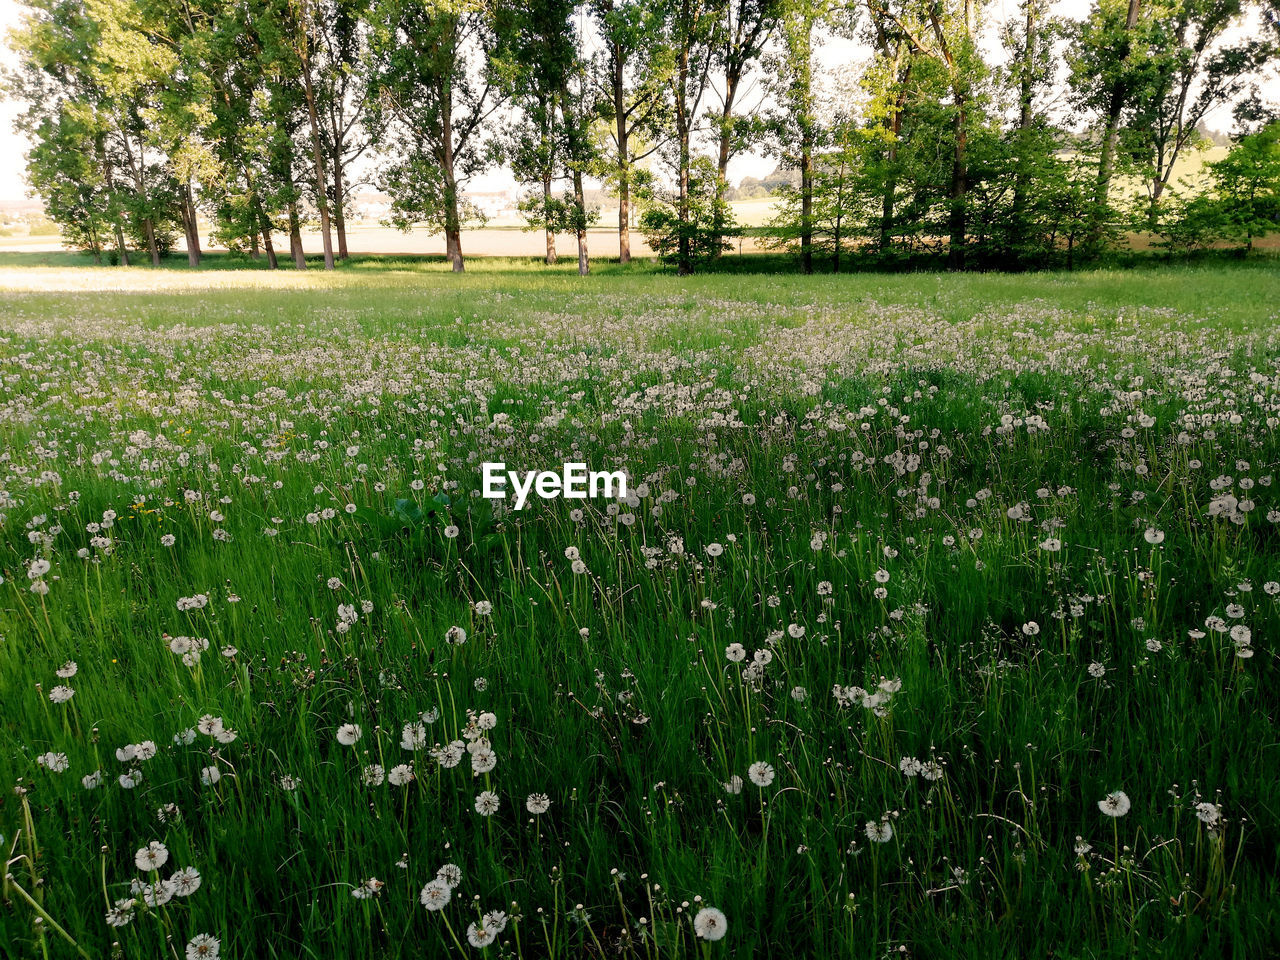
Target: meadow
x,y
940,619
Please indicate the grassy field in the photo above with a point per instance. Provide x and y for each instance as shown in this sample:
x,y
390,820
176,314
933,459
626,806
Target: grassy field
x,y
940,619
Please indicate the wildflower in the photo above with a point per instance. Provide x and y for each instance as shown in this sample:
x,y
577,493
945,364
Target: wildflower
x,y
400,774
537,803
761,773
435,895
54,762
735,653
455,636
349,734
733,786
185,881
1208,813
1115,804
487,803
368,889
479,936
121,913
203,947
710,924
879,831
450,874
152,857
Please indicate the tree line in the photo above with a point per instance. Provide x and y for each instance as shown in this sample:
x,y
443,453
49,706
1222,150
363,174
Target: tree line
x,y
265,115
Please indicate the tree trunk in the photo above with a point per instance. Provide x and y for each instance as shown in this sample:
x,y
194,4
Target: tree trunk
x,y
295,237
1110,132
806,202
339,200
317,152
580,224
732,79
551,257
1017,232
109,173
452,221
192,225
624,157
149,230
685,254
891,180
959,186
272,262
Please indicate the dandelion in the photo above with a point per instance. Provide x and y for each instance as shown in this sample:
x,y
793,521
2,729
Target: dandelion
x,y
1114,804
760,773
455,636
209,776
735,653
349,734
435,895
53,762
61,694
1208,813
121,913
185,881
203,947
479,936
368,889
450,874
537,803
879,831
710,924
400,774
487,803
67,670
152,857
733,786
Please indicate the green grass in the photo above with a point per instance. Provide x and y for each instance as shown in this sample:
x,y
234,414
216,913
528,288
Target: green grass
x,y
881,466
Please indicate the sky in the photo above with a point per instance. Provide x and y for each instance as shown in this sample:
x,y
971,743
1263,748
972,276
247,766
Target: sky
x,y
834,52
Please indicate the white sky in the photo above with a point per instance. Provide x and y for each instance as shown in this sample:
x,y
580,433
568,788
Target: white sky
x,y
836,52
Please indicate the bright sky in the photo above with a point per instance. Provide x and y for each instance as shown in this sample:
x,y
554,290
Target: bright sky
x,y
833,53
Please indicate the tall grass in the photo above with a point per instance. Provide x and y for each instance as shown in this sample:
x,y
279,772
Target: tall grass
x,y
915,571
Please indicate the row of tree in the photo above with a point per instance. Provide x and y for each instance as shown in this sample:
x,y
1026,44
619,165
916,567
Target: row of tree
x,y
262,115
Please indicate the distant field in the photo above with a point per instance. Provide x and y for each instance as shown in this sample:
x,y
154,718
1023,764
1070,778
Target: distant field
x,y
940,618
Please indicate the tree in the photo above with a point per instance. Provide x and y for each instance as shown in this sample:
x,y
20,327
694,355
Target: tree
x,y
794,126
433,91
1246,185
945,31
538,54
691,28
630,77
1107,70
748,26
1190,73
828,215
686,228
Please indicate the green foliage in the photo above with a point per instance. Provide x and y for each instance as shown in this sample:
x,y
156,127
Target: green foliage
x,y
707,229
